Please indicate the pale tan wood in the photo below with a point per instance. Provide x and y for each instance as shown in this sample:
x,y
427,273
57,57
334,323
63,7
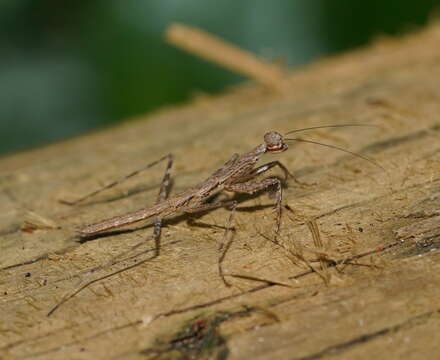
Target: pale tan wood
x,y
386,305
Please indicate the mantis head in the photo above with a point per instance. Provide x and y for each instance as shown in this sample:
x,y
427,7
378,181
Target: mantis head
x,y
274,142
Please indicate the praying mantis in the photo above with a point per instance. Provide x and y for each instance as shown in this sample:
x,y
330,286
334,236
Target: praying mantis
x,y
238,175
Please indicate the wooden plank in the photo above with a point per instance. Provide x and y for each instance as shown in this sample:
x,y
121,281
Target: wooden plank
x,y
379,230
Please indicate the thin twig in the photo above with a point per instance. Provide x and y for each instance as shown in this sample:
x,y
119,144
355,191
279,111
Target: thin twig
x,y
214,49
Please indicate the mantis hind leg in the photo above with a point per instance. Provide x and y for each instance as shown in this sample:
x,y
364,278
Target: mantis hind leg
x,y
168,157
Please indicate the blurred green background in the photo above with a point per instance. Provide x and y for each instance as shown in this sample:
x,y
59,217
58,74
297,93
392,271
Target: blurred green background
x,y
70,66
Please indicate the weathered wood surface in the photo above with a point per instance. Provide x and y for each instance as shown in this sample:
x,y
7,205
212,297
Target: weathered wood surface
x,y
384,304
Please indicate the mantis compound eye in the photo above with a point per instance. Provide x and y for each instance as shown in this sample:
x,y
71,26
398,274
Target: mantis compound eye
x,y
274,142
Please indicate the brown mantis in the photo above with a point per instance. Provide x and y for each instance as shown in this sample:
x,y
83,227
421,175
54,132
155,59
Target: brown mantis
x,y
237,175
